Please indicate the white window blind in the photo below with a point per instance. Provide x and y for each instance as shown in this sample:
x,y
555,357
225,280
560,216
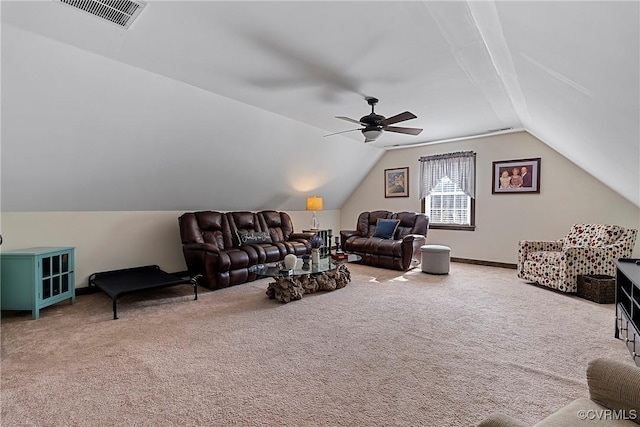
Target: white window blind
x,y
447,187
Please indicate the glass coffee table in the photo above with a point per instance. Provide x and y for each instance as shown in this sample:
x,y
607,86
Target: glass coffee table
x,y
290,285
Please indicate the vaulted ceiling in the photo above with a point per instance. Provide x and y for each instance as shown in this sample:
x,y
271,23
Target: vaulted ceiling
x,y
254,86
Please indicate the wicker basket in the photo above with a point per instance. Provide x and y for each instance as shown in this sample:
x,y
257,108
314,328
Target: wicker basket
x,y
597,288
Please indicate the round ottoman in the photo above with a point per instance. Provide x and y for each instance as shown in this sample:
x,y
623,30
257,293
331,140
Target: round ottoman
x,y
435,259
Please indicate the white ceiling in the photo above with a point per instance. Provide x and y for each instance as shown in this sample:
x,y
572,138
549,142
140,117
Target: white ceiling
x,y
565,71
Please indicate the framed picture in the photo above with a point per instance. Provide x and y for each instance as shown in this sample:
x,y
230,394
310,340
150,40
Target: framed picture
x,y
396,182
516,176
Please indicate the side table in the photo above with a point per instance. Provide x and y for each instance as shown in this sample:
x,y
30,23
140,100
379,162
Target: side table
x,y
325,235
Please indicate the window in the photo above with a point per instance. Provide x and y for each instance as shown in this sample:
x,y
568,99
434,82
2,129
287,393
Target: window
x,y
448,204
447,187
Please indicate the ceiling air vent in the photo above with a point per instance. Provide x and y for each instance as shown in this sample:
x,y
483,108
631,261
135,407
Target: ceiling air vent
x,y
119,12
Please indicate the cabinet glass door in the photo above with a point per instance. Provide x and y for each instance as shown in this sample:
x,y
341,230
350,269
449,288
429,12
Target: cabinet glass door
x,y
65,263
46,288
46,267
55,275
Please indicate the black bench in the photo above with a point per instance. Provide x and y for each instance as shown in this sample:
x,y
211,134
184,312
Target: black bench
x,y
120,282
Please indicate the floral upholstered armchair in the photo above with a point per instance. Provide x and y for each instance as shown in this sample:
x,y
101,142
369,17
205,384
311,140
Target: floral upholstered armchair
x,y
587,249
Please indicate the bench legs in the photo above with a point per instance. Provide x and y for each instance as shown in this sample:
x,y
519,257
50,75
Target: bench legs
x,y
193,281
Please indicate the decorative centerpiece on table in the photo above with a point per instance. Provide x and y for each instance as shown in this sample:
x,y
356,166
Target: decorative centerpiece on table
x,y
339,256
305,262
316,243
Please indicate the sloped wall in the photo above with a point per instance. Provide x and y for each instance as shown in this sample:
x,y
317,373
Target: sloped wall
x,y
81,132
568,195
104,156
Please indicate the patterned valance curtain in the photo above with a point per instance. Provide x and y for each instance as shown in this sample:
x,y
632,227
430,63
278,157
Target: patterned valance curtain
x,y
458,167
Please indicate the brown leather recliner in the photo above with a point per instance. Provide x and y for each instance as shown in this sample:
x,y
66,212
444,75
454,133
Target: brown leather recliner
x,y
214,246
400,252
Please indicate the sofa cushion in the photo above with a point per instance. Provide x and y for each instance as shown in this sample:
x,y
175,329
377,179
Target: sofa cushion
x,y
238,258
367,221
248,237
386,228
277,224
590,235
410,223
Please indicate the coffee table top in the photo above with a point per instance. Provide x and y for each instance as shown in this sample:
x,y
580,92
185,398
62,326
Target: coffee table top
x,y
326,264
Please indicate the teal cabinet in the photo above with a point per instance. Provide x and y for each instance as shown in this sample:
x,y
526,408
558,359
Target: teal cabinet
x,y
35,278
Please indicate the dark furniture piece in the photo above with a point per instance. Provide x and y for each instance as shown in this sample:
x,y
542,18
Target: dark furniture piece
x,y
223,246
120,282
628,305
400,252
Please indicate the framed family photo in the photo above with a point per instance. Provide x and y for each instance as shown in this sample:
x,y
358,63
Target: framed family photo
x,y
516,176
396,182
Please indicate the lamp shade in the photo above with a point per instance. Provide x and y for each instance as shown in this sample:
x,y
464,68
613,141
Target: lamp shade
x,y
314,203
371,134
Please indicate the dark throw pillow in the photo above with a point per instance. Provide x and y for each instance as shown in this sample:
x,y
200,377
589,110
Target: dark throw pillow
x,y
386,228
248,237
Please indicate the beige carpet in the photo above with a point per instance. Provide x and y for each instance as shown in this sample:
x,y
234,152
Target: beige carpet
x,y
390,349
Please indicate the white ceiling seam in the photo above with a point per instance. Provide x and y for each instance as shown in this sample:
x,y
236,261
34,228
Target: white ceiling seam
x,y
564,79
495,132
470,52
487,21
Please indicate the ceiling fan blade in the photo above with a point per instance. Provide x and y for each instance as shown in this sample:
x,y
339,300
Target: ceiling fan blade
x,y
344,131
410,131
348,119
398,118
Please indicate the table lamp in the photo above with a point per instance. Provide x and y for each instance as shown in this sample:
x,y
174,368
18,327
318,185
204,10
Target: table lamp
x,y
314,204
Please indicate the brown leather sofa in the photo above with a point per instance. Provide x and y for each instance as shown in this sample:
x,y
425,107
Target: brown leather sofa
x,y
399,252
222,246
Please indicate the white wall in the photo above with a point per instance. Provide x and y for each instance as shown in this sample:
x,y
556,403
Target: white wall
x,y
568,195
113,240
120,239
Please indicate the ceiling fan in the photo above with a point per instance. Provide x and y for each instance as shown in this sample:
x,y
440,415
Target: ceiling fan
x,y
374,124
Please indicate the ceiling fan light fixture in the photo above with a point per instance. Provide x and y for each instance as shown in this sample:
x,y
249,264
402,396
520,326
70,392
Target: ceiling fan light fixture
x,y
374,124
372,134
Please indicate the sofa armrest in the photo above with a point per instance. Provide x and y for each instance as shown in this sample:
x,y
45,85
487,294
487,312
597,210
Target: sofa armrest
x,y
412,237
344,235
526,246
501,420
540,245
198,255
624,249
594,259
614,385
301,236
415,242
